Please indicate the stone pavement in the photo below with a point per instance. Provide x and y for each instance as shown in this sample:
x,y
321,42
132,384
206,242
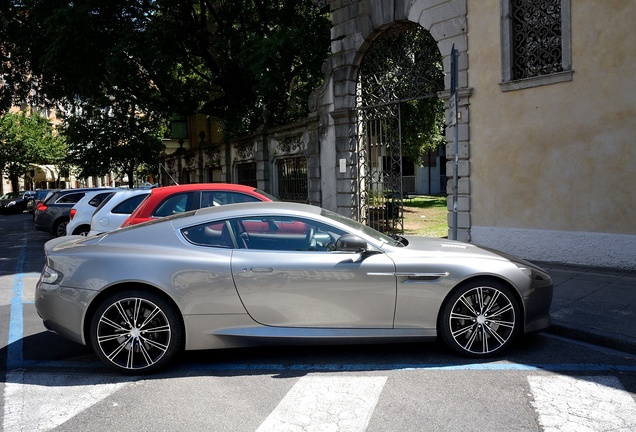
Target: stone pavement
x,y
596,305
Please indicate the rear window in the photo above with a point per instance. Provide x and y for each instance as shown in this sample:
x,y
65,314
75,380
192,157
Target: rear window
x,y
217,198
71,198
129,205
175,204
97,199
104,201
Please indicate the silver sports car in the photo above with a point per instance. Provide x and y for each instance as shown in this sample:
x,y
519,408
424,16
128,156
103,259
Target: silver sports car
x,y
246,274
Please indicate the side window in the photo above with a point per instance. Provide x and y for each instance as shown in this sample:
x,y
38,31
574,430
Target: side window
x,y
129,205
284,233
71,198
216,234
535,43
175,204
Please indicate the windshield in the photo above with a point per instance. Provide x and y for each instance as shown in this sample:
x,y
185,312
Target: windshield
x,y
377,235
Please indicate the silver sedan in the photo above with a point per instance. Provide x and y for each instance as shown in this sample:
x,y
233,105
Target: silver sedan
x,y
247,274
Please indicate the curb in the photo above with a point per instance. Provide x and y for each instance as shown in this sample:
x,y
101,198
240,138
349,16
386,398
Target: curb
x,y
597,338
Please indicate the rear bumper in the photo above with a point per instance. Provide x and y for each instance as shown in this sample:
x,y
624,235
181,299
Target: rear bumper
x,y
63,310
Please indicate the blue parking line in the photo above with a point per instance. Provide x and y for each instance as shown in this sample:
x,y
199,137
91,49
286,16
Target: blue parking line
x,y
16,324
351,367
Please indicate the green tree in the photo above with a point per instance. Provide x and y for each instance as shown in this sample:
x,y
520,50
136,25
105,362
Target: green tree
x,y
404,64
119,138
232,59
27,139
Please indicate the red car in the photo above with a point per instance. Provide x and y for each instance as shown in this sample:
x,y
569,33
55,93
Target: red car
x,y
169,200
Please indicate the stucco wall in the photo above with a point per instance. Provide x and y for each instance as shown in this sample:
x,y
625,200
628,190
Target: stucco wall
x,y
557,161
561,156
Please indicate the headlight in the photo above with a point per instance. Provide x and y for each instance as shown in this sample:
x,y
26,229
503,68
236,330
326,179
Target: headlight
x,y
538,276
50,276
11,203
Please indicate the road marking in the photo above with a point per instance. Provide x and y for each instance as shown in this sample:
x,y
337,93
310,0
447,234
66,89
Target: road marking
x,y
592,403
14,343
349,367
343,404
43,401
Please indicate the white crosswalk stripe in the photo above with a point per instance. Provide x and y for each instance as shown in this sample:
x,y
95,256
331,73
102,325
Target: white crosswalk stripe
x,y
43,401
322,404
582,404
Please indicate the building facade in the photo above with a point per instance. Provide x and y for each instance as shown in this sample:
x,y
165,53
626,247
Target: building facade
x,y
544,131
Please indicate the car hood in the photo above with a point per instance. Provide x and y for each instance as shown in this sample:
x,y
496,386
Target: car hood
x,y
440,247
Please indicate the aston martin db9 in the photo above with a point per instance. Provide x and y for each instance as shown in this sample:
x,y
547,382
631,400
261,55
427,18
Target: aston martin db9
x,y
246,274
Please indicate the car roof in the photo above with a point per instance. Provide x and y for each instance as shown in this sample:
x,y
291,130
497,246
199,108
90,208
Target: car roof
x,y
89,195
263,208
61,192
164,190
121,195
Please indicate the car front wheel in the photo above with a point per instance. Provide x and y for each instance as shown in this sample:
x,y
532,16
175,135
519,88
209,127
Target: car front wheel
x,y
135,332
480,319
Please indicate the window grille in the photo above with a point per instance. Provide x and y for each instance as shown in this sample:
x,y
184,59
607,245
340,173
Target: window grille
x,y
536,27
246,174
536,43
292,179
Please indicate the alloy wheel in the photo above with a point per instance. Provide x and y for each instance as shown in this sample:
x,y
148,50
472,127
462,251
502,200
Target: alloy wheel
x,y
481,320
135,334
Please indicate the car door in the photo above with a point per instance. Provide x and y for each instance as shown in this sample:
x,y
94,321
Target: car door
x,y
293,278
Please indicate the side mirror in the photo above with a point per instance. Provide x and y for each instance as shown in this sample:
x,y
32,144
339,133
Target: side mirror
x,y
351,243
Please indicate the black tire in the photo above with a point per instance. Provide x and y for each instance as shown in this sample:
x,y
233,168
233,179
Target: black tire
x,y
480,319
82,230
59,229
135,332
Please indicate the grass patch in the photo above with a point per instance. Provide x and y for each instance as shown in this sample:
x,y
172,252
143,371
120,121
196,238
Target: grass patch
x,y
426,216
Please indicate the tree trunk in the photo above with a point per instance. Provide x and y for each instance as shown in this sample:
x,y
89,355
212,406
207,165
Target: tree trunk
x,y
14,182
131,180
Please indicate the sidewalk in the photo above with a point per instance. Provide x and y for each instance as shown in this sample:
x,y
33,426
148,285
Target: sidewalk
x,y
596,305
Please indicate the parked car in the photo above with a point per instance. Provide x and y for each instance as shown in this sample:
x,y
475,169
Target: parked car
x,y
82,212
15,202
231,276
169,200
52,214
40,195
115,209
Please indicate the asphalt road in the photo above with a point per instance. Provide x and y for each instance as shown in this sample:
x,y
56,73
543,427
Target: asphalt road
x,y
544,383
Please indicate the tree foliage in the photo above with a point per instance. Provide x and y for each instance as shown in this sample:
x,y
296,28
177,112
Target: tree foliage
x,y
27,139
404,66
118,138
232,59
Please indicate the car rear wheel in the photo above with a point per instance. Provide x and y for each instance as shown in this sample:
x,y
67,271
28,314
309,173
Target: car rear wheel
x,y
136,332
480,319
82,230
59,230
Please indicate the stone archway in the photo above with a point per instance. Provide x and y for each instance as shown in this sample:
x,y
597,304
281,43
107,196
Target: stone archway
x,y
399,116
355,24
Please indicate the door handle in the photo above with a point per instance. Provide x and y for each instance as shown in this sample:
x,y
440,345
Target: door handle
x,y
261,269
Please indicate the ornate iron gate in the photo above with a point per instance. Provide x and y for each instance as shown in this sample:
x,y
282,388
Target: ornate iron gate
x,y
380,168
400,76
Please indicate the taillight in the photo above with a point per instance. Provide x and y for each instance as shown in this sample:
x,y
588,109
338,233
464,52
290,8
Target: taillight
x,y
71,215
41,206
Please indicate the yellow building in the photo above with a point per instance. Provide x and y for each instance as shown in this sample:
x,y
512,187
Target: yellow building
x,y
545,135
